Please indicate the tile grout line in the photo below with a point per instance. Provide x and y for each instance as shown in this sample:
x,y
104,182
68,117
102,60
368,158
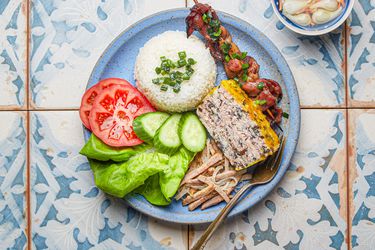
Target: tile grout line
x,y
188,226
348,190
28,167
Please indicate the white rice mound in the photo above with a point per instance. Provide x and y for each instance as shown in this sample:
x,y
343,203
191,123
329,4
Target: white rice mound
x,y
192,92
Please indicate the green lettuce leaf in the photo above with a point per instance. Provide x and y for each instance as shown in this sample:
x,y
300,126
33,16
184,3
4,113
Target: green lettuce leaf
x,y
97,150
119,179
151,191
172,176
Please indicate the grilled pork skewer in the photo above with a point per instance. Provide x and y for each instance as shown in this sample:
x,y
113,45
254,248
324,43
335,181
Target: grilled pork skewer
x,y
238,65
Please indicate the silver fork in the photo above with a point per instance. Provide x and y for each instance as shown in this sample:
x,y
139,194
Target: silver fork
x,y
262,175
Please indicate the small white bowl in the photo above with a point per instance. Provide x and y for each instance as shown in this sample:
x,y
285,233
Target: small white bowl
x,y
315,30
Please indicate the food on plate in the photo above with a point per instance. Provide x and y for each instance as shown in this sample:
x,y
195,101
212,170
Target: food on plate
x,y
152,192
98,150
164,50
210,179
146,125
173,74
238,65
237,125
112,114
166,139
119,179
192,132
307,12
172,176
154,175
90,95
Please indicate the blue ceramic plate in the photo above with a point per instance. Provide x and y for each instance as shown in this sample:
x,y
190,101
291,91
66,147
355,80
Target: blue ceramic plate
x,y
118,61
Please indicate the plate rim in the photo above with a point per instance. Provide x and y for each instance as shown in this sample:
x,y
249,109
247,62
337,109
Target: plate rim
x,y
294,119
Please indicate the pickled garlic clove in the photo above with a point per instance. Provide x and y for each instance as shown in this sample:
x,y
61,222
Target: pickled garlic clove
x,y
322,16
301,19
330,5
293,7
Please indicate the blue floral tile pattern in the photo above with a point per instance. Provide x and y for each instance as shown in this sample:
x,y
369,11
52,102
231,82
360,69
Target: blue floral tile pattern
x,y
12,53
308,209
12,180
67,39
361,51
362,162
68,211
315,61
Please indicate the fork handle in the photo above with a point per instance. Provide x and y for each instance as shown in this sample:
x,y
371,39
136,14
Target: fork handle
x,y
201,243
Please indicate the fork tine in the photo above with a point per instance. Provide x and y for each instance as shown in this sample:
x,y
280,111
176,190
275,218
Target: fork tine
x,y
276,159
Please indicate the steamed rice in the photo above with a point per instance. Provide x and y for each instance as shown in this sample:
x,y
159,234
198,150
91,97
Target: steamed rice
x,y
192,92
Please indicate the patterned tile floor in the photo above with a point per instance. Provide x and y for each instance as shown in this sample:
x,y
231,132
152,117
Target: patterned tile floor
x,y
47,196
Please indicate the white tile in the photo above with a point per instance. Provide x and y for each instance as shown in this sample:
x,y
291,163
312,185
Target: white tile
x,y
68,38
12,53
12,180
361,50
362,178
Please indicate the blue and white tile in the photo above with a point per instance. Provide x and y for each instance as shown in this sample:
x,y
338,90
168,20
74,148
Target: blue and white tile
x,y
67,39
308,209
316,62
362,178
361,50
12,180
68,211
13,56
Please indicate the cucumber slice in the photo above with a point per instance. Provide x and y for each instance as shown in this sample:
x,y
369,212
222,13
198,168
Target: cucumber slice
x,y
145,125
166,139
192,132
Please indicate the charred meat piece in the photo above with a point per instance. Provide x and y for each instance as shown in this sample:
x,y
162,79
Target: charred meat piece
x,y
237,125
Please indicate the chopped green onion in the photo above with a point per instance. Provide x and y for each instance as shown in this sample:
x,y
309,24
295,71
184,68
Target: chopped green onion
x,y
217,33
190,72
244,77
225,47
205,18
260,86
186,77
243,55
245,66
174,78
236,56
181,63
209,14
227,58
236,79
191,61
215,23
260,102
285,115
176,88
156,81
182,55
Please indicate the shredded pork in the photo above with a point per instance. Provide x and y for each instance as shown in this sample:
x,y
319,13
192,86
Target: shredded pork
x,y
210,179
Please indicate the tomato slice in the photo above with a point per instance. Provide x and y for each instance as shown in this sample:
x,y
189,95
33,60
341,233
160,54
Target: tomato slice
x,y
112,114
90,95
